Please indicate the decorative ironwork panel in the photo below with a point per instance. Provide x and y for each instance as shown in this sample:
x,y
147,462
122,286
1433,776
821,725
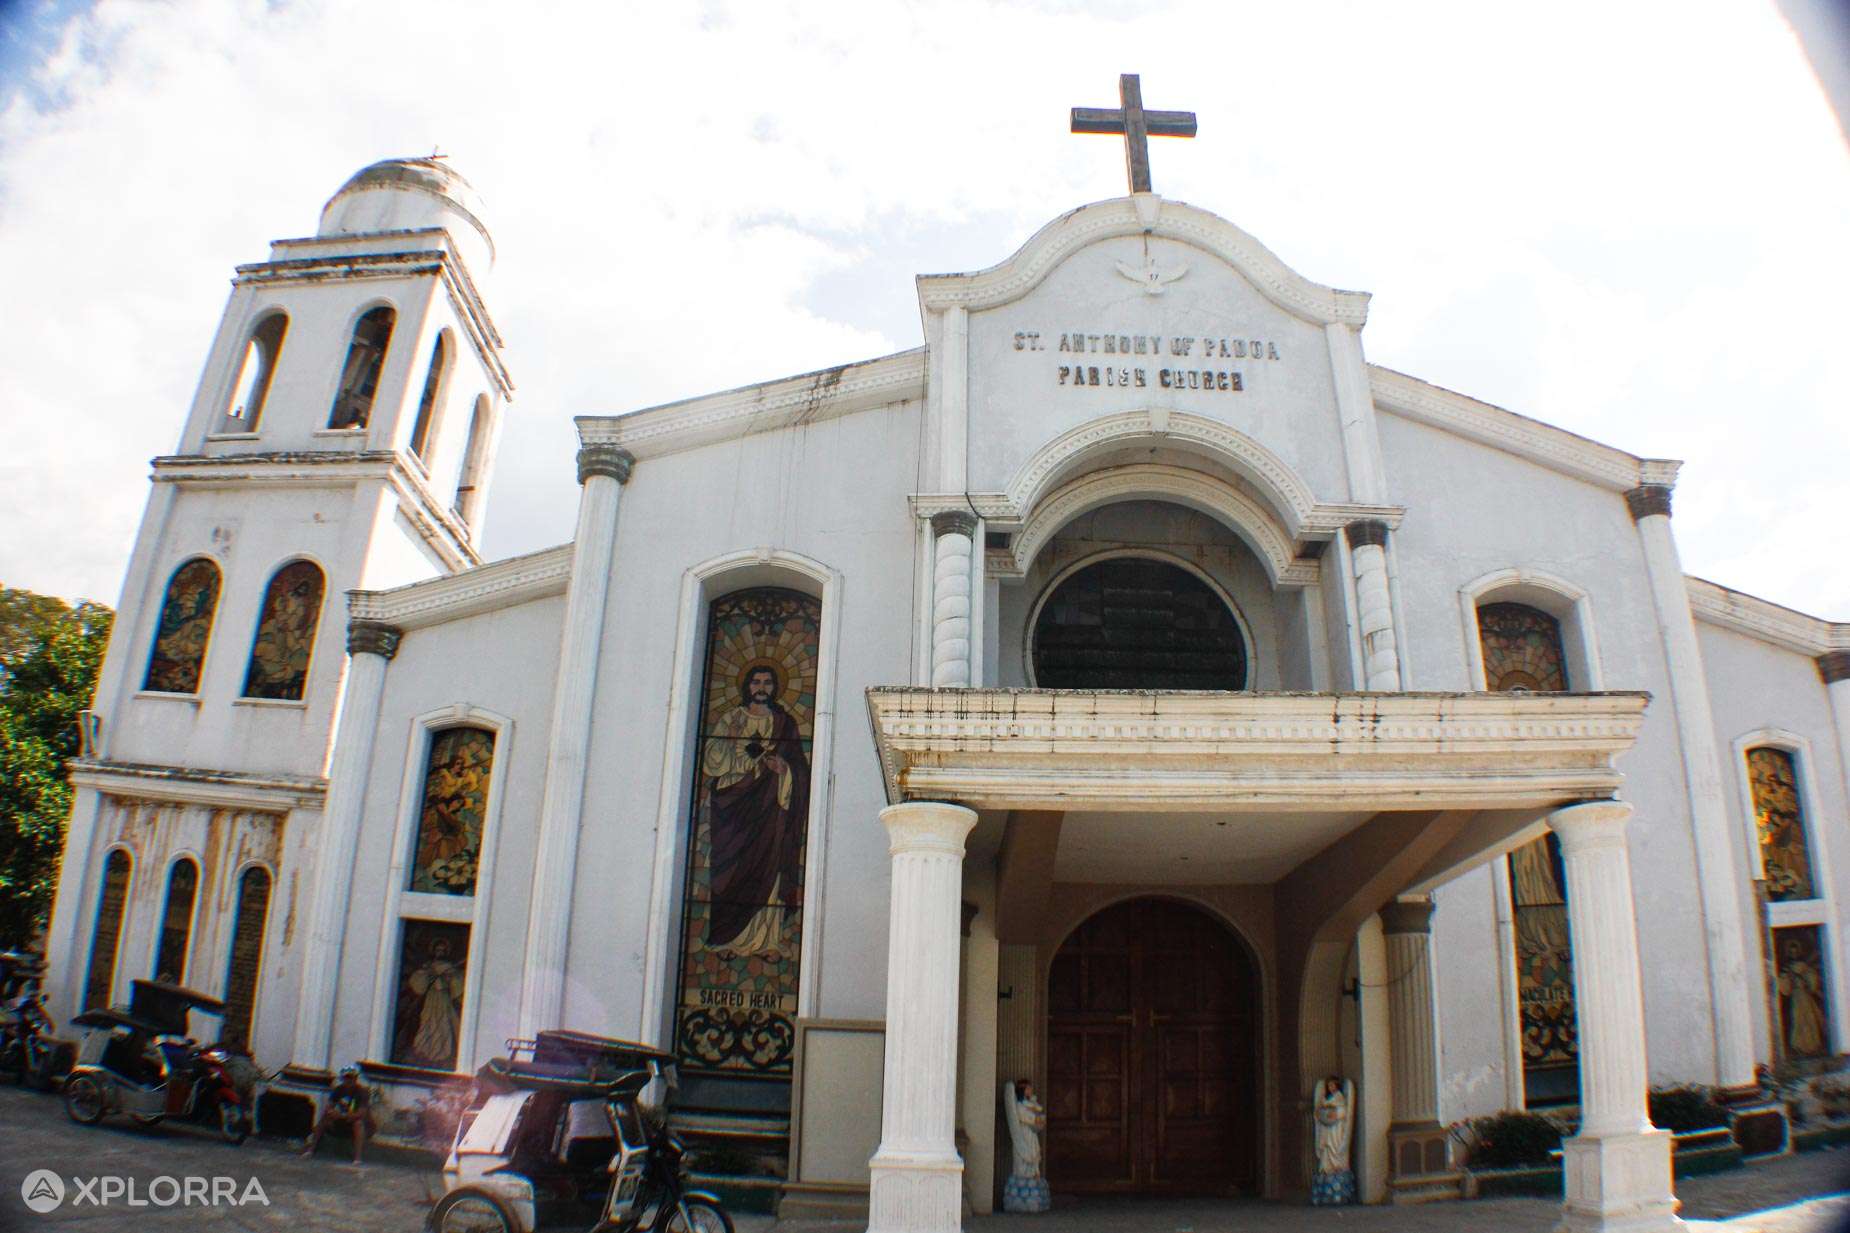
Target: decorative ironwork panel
x,y
455,805
246,956
1804,1015
101,979
185,628
743,929
177,921
285,633
432,979
1784,854
1522,649
1137,623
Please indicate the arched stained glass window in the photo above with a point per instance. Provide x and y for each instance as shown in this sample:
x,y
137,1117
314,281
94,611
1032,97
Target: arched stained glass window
x,y
177,921
185,628
246,956
1137,623
101,979
1522,652
285,633
428,403
359,377
1784,854
455,806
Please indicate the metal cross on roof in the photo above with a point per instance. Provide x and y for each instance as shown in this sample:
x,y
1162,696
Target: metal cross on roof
x,y
1136,124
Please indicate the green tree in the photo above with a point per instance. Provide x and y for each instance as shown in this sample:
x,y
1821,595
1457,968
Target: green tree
x,y
48,667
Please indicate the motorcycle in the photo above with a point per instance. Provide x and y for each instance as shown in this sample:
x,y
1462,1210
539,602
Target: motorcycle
x,y
28,1047
139,1060
562,1140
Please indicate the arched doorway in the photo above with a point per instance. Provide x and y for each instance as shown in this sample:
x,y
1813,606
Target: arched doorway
x,y
1152,1055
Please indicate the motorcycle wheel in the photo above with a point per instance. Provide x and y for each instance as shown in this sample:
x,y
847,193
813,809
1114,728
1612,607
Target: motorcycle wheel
x,y
84,1101
233,1127
699,1216
471,1211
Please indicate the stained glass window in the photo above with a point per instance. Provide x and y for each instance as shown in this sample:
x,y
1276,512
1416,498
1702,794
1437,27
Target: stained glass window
x,y
177,921
101,979
432,979
285,633
185,628
1804,1015
455,804
743,931
359,377
1781,823
246,956
1137,623
1522,651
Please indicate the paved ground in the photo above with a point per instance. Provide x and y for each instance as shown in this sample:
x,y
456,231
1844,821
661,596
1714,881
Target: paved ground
x,y
328,1196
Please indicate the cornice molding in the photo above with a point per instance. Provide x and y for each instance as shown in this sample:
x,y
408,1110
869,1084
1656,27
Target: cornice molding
x,y
1551,447
501,584
1144,214
804,399
1769,622
195,785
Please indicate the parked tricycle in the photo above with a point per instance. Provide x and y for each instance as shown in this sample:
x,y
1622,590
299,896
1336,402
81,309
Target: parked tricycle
x,y
140,1061
28,1048
561,1139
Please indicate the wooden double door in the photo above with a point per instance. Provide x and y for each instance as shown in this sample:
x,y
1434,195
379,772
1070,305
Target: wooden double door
x,y
1152,1055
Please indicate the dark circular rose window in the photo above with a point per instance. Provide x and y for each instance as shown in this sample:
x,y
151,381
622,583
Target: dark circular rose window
x,y
1136,623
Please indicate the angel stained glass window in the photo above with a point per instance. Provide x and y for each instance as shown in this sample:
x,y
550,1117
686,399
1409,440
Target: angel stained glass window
x,y
285,633
453,810
1784,855
185,628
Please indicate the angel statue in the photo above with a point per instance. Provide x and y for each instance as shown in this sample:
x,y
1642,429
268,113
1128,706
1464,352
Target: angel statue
x,y
1333,1125
1026,1190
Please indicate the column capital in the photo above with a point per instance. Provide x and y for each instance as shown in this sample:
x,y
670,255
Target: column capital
x,y
1407,916
605,459
927,827
1366,531
1834,666
373,638
953,522
1647,500
1593,824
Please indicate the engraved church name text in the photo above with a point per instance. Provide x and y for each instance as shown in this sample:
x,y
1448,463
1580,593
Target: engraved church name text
x,y
1184,347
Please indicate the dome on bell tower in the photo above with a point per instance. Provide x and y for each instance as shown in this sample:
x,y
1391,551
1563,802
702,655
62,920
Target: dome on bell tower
x,y
401,194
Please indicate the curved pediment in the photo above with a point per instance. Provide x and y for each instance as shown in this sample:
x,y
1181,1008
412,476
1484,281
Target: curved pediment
x,y
1144,214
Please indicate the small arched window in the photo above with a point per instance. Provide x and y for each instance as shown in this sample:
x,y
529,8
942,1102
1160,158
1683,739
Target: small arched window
x,y
185,628
101,979
246,956
1780,820
429,404
255,372
359,377
285,633
177,921
468,484
1522,649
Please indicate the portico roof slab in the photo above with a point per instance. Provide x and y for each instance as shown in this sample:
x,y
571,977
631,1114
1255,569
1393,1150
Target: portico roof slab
x,y
1276,753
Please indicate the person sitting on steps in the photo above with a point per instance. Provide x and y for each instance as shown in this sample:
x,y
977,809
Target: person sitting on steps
x,y
349,1103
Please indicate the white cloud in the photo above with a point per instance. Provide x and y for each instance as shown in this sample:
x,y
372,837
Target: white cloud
x,y
1623,219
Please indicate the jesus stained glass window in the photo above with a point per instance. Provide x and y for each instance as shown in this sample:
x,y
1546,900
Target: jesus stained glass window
x,y
454,806
747,831
285,633
1784,856
185,627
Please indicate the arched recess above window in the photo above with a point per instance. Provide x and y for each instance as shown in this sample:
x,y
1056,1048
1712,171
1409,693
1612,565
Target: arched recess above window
x,y
1569,607
285,637
359,377
184,630
112,902
430,403
469,482
1522,649
1137,622
177,920
255,371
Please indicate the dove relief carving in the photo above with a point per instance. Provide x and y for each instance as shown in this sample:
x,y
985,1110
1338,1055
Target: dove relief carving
x,y
1153,278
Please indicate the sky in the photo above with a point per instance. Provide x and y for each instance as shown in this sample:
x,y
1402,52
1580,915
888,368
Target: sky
x,y
1614,217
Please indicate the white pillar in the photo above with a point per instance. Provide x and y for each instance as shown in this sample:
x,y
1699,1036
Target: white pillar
x,y
917,1176
1374,605
1407,927
953,533
370,646
1355,405
1725,918
73,906
1618,1166
1834,670
602,471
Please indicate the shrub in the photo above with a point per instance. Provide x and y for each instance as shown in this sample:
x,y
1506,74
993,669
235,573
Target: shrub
x,y
1510,1140
1683,1109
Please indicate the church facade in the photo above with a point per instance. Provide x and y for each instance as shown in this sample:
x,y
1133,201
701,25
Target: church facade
x,y
1131,691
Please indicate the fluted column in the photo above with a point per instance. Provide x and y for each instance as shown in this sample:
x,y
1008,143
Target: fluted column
x,y
1374,604
1407,928
370,647
917,1176
1618,1166
602,471
1719,881
952,533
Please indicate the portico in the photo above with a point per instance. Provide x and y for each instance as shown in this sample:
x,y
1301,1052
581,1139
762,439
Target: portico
x,y
1304,815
